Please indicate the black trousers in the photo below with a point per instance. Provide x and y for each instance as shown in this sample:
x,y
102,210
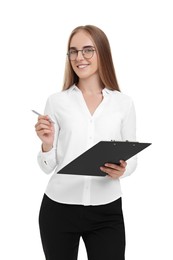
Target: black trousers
x,y
101,228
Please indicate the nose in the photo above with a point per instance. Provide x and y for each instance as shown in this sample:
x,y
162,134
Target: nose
x,y
79,55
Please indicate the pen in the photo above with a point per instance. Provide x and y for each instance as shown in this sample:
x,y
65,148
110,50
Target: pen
x,y
40,115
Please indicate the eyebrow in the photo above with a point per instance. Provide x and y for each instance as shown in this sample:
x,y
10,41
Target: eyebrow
x,y
86,46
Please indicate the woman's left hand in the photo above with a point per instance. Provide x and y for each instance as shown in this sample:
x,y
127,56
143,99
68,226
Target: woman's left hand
x,y
113,170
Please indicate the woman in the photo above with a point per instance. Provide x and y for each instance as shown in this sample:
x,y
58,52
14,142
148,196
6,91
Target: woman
x,y
90,108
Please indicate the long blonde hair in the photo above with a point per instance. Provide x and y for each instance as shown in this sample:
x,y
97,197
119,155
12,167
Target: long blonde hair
x,y
105,63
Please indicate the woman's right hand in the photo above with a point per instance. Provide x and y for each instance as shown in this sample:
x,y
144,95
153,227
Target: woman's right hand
x,y
45,131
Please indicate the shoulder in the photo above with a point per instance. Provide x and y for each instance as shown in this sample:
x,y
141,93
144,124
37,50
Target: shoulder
x,y
119,96
60,96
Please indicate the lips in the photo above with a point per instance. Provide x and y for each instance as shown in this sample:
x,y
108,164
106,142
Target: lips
x,y
82,66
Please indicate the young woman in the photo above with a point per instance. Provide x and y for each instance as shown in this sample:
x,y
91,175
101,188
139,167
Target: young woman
x,y
89,109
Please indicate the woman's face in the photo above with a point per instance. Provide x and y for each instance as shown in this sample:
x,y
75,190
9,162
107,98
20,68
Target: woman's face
x,y
85,66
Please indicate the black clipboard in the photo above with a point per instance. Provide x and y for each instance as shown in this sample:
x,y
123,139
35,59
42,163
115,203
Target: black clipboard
x,y
89,162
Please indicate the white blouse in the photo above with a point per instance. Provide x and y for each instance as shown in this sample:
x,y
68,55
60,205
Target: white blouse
x,y
76,130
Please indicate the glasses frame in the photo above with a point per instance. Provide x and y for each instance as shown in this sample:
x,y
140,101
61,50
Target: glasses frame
x,y
82,51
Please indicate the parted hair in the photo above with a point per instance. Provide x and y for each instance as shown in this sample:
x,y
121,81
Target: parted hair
x,y
106,68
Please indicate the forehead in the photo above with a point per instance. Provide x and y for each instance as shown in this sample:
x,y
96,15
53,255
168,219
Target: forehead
x,y
81,39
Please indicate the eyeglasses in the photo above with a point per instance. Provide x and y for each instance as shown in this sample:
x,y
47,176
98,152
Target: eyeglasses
x,y
87,53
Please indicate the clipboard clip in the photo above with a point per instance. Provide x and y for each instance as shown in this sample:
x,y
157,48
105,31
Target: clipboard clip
x,y
125,141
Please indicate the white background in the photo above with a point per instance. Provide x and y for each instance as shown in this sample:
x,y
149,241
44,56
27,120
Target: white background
x,y
33,43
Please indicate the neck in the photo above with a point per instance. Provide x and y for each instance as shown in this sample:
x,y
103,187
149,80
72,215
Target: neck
x,y
90,86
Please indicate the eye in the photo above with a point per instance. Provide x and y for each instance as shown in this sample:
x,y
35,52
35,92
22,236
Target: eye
x,y
71,52
88,50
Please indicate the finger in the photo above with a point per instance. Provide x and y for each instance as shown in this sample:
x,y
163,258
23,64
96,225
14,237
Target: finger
x,y
43,117
46,117
42,126
123,163
113,166
43,122
108,170
113,172
44,131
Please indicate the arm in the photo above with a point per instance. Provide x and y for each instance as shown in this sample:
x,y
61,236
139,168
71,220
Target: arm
x,y
128,132
47,132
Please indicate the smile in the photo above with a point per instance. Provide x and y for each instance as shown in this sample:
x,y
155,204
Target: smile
x,y
82,66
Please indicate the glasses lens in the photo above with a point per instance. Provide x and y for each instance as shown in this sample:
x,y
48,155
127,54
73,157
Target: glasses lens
x,y
72,54
88,52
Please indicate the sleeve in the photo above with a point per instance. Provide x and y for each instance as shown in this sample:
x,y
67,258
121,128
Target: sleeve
x,y
129,134
48,160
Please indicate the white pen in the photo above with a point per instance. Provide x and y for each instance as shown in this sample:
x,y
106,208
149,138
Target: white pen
x,y
40,115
